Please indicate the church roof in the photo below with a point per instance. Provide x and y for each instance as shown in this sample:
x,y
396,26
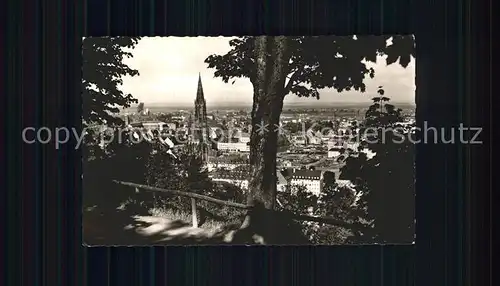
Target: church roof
x,y
281,178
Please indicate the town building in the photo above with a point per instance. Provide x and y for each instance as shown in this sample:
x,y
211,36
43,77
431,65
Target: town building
x,y
226,162
239,179
154,125
352,145
312,180
222,165
242,137
334,144
171,126
284,163
281,183
179,118
233,147
299,140
213,132
334,152
313,139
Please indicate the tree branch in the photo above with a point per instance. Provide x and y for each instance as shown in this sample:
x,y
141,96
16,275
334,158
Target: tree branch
x,y
291,82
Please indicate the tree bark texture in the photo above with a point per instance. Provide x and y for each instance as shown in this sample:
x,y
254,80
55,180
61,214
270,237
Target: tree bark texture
x,y
271,58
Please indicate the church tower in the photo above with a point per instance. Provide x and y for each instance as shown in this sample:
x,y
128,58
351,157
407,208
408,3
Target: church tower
x,y
200,121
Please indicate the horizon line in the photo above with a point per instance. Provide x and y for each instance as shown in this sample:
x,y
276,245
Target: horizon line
x,y
285,103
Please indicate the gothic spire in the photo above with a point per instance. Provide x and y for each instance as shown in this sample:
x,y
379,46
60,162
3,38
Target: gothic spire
x,y
199,94
200,118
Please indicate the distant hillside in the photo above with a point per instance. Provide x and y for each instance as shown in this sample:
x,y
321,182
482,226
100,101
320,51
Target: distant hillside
x,y
161,107
342,105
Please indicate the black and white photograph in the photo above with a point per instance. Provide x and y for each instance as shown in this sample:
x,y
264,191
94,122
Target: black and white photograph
x,y
249,140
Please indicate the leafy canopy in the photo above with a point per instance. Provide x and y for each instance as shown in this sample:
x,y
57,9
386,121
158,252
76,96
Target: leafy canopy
x,y
386,181
103,69
334,201
315,63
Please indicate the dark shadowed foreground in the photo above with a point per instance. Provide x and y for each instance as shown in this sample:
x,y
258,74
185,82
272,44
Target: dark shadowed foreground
x,y
122,229
145,230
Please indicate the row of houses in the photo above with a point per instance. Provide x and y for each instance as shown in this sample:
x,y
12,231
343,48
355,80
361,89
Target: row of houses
x,y
240,141
312,180
240,179
233,147
318,138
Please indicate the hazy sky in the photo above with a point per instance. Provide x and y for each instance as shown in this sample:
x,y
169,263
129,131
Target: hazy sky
x,y
169,67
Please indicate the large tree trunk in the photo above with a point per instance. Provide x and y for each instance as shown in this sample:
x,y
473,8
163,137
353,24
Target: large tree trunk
x,y
269,83
271,57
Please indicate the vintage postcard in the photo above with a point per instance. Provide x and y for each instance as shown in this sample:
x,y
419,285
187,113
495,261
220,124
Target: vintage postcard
x,y
248,140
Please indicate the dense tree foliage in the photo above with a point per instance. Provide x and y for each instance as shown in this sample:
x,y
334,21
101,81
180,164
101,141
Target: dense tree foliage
x,y
277,66
297,200
102,72
334,201
310,66
339,202
150,163
118,160
382,114
386,181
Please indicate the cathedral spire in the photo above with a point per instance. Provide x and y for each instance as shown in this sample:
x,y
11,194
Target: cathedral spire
x,y
199,94
200,120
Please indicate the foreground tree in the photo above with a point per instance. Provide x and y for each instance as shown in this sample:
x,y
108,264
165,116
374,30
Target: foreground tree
x,y
278,66
103,69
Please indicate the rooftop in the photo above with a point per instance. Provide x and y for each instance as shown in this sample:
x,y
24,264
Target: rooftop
x,y
344,183
281,179
230,175
153,122
309,174
228,160
213,123
336,148
241,134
